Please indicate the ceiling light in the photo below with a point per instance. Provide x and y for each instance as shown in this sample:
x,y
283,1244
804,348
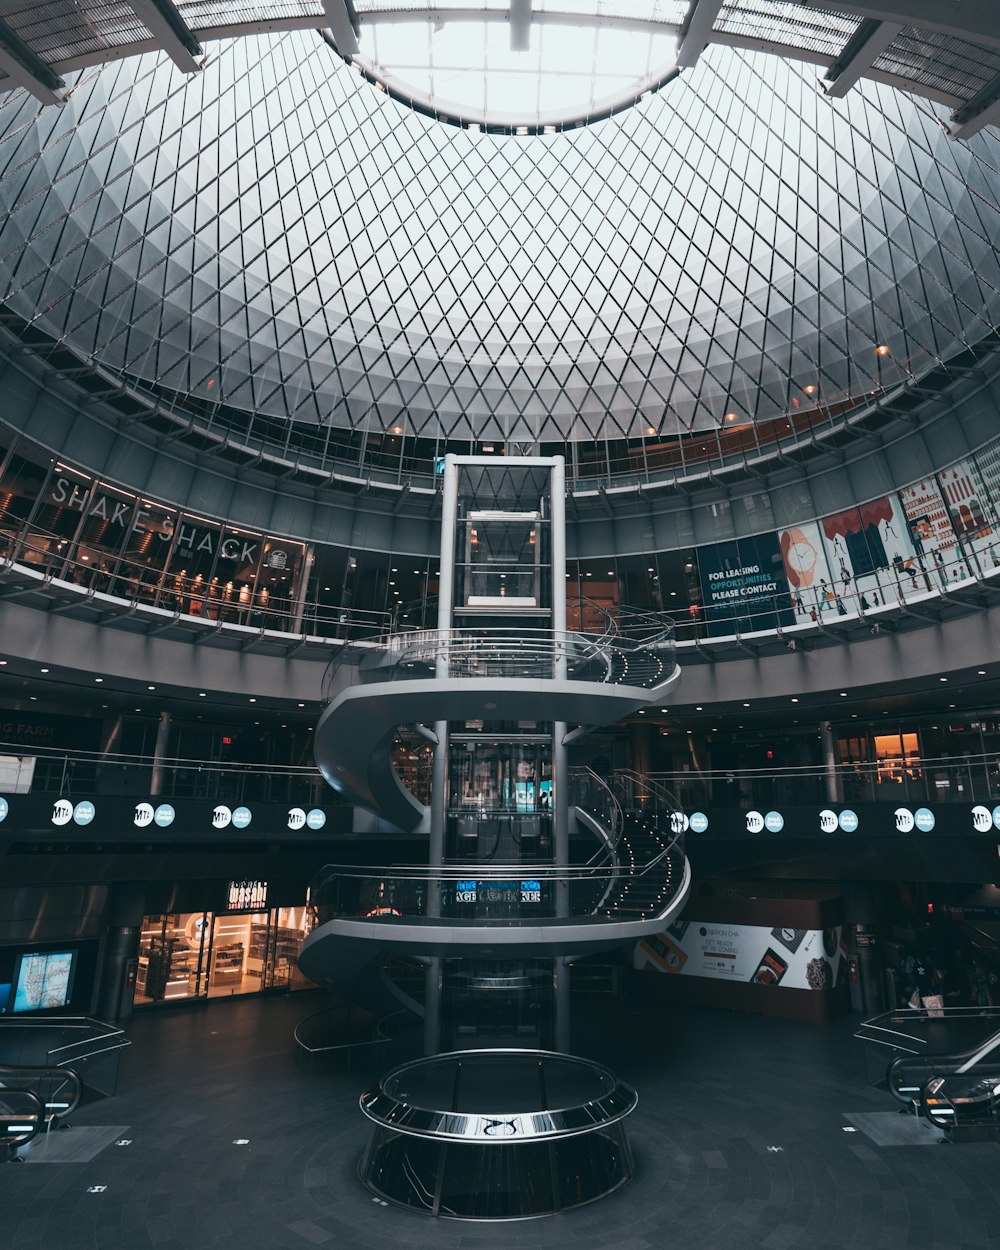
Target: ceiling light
x,y
150,687
882,349
942,679
44,670
201,694
98,680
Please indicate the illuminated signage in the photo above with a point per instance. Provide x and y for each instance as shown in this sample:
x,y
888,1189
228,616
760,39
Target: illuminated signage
x,y
905,821
531,891
247,895
465,892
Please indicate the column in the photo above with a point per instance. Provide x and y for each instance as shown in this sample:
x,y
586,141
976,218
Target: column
x,y
160,753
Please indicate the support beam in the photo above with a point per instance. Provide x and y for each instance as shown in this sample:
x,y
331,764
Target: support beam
x,y
696,31
982,110
170,31
520,25
25,68
860,52
338,14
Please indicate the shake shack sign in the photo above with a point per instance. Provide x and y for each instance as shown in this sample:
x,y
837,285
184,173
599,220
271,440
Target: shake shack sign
x,y
135,518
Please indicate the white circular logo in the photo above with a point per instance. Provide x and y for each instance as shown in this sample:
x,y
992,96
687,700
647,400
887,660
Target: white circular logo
x,y
828,820
904,819
164,815
296,818
678,822
221,816
316,818
755,822
84,813
242,817
982,819
774,822
143,815
62,812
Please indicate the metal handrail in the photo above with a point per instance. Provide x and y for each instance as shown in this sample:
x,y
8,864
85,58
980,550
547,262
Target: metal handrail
x,y
500,651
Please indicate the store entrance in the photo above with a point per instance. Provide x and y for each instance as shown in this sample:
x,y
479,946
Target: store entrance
x,y
199,955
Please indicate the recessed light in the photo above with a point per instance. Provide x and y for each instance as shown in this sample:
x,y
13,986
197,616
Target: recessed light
x,y
699,709
301,705
253,700
981,672
34,698
942,679
2,662
746,704
44,670
98,680
843,694
794,700
150,687
201,694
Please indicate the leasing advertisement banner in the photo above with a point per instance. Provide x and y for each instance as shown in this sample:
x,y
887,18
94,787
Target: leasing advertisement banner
x,y
743,585
804,959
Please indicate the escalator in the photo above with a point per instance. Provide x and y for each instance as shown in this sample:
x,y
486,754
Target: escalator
x,y
22,1118
58,1090
908,1074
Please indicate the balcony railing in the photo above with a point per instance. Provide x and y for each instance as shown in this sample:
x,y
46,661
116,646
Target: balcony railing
x,y
942,779
644,659
42,770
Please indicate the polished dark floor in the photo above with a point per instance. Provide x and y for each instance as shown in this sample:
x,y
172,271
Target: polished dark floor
x,y
739,1137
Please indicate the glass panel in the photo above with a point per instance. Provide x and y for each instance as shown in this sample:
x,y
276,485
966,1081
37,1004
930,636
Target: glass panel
x,y
172,952
239,954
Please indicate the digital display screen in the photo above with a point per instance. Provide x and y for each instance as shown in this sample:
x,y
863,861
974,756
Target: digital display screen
x,y
43,981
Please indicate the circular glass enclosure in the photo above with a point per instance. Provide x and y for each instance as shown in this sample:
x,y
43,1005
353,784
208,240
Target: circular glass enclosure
x,y
497,1134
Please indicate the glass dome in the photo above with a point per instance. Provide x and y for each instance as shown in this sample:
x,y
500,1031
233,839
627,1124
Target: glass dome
x,y
478,66
277,236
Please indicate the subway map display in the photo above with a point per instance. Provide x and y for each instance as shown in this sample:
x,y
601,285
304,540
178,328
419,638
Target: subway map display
x,y
44,981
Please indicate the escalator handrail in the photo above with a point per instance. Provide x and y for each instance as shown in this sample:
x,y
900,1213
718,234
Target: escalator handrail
x,y
37,1076
12,1142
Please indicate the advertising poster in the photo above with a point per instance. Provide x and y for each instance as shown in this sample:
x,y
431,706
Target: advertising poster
x,y
868,548
971,513
806,568
803,959
987,462
939,557
743,585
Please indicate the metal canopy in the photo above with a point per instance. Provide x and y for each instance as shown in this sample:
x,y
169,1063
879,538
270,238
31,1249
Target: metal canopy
x,y
948,53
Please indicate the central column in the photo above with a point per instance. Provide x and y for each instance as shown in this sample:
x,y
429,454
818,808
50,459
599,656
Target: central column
x,y
560,755
439,777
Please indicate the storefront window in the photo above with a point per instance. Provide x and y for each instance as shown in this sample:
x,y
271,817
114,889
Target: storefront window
x,y
192,955
173,950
